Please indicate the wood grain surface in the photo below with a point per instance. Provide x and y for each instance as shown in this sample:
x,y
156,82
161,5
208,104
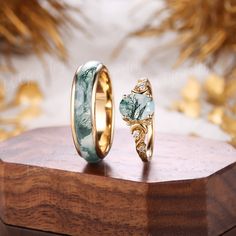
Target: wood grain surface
x,y
188,189
9,230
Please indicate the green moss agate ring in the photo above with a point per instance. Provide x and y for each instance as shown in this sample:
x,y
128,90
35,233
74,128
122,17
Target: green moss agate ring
x,y
92,111
137,110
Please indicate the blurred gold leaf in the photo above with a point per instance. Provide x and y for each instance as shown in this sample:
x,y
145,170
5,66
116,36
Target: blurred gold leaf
x,y
205,30
233,141
229,124
189,108
216,114
2,93
233,109
222,97
29,113
229,119
190,103
215,89
17,129
230,89
28,97
28,93
191,91
3,135
35,26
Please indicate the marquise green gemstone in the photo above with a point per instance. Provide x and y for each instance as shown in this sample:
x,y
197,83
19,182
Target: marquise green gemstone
x,y
136,106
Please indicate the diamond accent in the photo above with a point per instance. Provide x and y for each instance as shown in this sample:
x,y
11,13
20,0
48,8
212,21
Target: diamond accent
x,y
141,148
142,86
136,134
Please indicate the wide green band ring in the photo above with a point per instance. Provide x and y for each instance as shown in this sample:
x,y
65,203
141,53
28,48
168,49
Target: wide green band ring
x,y
92,113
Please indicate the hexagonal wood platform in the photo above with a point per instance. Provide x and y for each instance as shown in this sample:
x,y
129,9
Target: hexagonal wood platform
x,y
189,188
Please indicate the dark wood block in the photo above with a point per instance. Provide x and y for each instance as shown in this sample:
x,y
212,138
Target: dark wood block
x,y
188,189
10,230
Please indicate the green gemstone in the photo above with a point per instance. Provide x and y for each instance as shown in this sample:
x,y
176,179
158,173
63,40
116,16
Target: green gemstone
x,y
83,122
137,106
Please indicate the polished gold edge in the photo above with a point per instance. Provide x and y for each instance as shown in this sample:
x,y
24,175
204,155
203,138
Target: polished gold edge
x,y
112,110
150,144
99,70
72,110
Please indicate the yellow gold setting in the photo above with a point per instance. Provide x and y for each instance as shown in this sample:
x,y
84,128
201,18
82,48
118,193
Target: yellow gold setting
x,y
142,129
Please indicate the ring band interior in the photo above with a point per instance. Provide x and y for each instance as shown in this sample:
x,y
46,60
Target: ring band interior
x,y
150,140
103,113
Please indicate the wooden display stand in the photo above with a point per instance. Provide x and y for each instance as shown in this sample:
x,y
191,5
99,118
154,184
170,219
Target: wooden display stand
x,y
189,188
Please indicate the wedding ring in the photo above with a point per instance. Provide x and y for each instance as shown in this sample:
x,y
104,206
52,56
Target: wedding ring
x,y
92,111
137,110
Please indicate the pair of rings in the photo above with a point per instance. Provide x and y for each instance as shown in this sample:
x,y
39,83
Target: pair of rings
x,y
92,113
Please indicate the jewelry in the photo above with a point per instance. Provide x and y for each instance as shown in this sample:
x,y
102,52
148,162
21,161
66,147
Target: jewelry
x,y
137,110
92,111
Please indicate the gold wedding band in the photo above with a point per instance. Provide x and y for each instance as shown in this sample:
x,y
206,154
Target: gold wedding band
x,y
92,111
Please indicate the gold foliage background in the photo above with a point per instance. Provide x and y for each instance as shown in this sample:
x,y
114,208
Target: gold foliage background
x,y
205,30
29,26
33,26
